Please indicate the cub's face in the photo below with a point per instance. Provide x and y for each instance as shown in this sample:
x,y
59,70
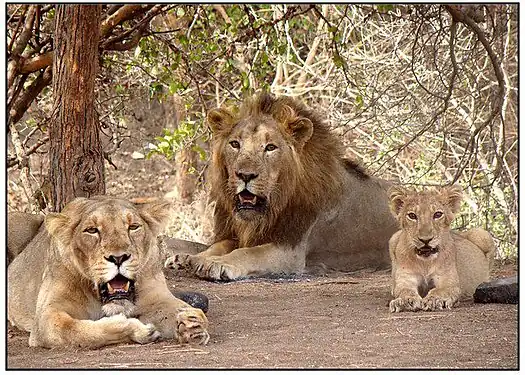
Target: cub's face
x,y
259,163
108,241
425,216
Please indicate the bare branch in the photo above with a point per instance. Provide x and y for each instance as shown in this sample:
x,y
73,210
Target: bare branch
x,y
124,13
36,63
20,106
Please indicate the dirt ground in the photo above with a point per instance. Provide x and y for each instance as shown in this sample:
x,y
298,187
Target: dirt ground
x,y
309,322
341,321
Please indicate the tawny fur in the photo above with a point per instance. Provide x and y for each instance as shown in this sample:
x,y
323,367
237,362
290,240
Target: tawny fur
x,y
323,211
53,282
463,259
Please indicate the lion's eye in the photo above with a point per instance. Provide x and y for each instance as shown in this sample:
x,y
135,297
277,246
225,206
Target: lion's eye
x,y
438,215
412,216
235,144
270,147
134,227
91,230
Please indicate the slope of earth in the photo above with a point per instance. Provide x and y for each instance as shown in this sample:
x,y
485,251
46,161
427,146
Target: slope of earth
x,y
309,322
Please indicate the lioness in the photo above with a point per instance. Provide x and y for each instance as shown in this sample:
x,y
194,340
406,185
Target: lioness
x,y
92,276
286,198
432,266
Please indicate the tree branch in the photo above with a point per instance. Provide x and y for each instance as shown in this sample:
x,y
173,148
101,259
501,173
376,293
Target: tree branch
x,y
125,13
36,63
20,106
459,16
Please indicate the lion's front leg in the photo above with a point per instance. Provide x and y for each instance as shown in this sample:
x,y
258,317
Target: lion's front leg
x,y
445,294
172,317
241,263
405,292
55,328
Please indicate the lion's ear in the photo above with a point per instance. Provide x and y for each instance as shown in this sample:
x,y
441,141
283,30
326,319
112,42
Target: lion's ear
x,y
156,214
453,195
56,224
220,120
396,197
300,128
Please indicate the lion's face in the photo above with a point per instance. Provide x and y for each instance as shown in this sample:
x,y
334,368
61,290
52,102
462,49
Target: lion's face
x,y
258,152
425,216
107,241
257,156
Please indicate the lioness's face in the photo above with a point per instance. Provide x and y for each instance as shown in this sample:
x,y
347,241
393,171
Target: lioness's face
x,y
108,241
259,162
425,216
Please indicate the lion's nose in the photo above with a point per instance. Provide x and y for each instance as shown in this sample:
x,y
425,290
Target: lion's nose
x,y
118,260
246,176
426,241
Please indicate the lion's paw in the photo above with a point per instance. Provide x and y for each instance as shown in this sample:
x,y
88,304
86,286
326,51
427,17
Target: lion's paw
x,y
431,303
143,333
208,268
178,262
121,326
192,326
405,304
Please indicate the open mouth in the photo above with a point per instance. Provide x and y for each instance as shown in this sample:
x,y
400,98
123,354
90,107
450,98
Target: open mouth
x,y
248,201
426,251
119,287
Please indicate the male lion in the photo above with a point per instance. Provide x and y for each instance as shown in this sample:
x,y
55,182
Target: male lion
x,y
92,276
432,266
286,198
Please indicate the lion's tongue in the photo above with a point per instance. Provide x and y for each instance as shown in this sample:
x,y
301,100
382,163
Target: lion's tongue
x,y
246,197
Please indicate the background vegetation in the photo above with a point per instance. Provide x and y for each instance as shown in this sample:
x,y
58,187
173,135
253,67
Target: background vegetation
x,y
421,94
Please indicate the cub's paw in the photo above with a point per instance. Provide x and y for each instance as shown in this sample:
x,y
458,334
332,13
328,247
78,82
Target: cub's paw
x,y
431,303
411,303
192,326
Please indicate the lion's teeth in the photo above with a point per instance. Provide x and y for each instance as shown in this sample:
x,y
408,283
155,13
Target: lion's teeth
x,y
126,287
110,289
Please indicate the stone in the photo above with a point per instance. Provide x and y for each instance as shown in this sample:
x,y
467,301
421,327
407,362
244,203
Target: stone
x,y
498,291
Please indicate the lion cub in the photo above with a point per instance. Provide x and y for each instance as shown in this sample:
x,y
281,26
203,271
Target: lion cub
x,y
432,266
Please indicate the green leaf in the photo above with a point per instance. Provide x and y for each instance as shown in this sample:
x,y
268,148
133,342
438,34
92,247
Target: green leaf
x,y
385,7
359,102
338,61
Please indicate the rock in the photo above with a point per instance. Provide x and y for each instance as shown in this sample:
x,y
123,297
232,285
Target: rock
x,y
137,155
498,291
194,299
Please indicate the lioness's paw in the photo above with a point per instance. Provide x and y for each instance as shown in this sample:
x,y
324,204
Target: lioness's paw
x,y
143,333
192,326
431,303
121,326
405,304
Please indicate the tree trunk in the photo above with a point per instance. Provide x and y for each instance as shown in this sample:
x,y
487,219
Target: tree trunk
x,y
76,158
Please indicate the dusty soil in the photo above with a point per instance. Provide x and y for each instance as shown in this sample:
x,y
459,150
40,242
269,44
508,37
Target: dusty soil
x,y
309,322
341,321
